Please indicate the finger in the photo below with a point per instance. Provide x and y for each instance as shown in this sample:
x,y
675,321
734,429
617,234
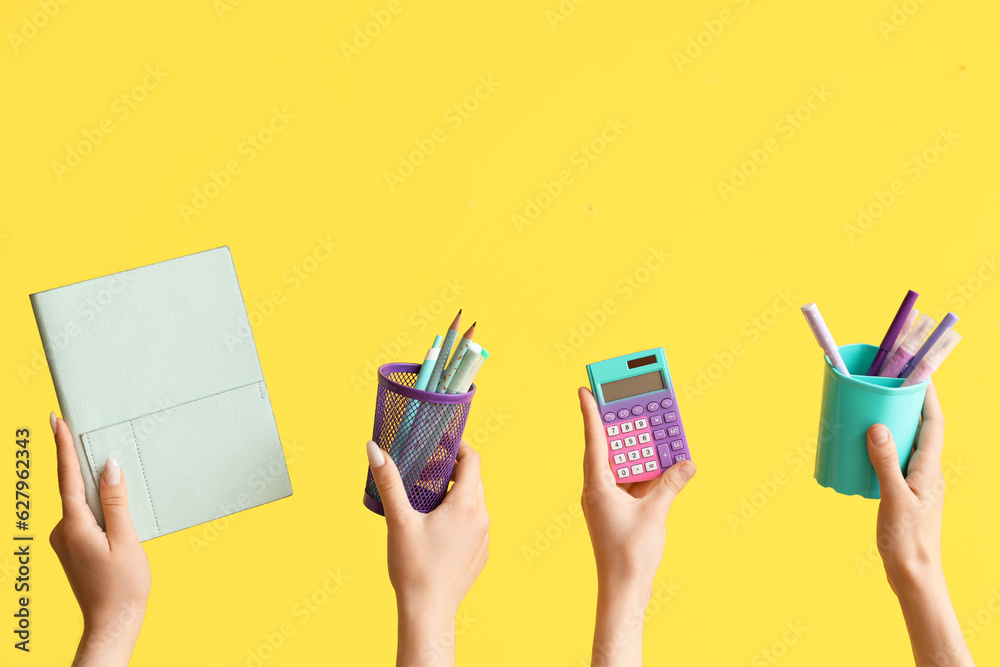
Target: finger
x,y
885,460
395,504
114,501
930,436
468,473
670,484
595,455
74,496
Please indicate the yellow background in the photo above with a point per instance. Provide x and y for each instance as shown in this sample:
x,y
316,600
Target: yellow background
x,y
804,557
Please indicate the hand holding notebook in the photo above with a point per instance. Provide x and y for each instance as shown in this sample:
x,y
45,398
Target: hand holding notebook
x,y
157,368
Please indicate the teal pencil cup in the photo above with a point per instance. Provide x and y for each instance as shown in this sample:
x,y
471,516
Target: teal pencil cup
x,y
850,406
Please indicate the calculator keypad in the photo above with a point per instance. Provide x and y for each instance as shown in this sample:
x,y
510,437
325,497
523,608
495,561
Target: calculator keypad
x,y
644,438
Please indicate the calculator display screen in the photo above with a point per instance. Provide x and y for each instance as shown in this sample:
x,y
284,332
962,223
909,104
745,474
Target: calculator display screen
x,y
633,386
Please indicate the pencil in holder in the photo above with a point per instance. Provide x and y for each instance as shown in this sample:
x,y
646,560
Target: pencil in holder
x,y
850,406
421,431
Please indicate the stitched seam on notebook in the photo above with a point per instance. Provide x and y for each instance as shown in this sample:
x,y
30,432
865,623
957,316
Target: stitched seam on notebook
x,y
90,460
260,385
193,400
138,456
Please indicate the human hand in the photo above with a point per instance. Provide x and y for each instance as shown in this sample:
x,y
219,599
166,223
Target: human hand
x,y
434,558
908,533
627,524
107,569
909,514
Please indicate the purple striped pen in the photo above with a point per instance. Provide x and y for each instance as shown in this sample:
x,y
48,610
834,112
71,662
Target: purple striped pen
x,y
823,336
947,323
911,319
934,358
893,333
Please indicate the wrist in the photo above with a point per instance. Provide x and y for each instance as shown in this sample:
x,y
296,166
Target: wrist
x,y
621,599
621,614
426,633
632,590
109,626
919,587
107,645
425,610
916,581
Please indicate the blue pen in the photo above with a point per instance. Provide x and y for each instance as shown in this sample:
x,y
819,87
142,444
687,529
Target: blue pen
x,y
947,323
428,366
412,407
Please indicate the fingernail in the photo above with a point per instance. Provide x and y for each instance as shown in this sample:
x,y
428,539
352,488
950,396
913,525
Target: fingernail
x,y
687,470
880,435
52,421
376,459
112,472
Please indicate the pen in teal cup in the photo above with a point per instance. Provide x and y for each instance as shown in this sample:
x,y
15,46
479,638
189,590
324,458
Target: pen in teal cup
x,y
850,405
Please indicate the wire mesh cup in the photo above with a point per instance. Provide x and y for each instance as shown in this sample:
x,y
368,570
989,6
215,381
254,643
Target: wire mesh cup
x,y
421,431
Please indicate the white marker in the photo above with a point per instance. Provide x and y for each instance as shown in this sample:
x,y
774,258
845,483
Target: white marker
x,y
464,367
823,337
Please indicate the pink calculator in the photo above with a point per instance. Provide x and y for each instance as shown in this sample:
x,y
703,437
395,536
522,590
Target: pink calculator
x,y
641,420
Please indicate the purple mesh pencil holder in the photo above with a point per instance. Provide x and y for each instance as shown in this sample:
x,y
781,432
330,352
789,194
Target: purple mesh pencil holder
x,y
421,431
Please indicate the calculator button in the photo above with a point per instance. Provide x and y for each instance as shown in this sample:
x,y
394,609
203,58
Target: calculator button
x,y
637,410
647,452
623,413
664,451
627,427
619,458
630,441
644,438
633,455
656,420
609,416
623,472
650,466
666,403
652,406
676,445
612,430
673,430
637,469
659,434
670,416
616,444
641,423
680,457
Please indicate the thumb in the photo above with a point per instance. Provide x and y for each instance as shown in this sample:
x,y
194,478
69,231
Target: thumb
x,y
114,501
390,486
671,483
885,460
